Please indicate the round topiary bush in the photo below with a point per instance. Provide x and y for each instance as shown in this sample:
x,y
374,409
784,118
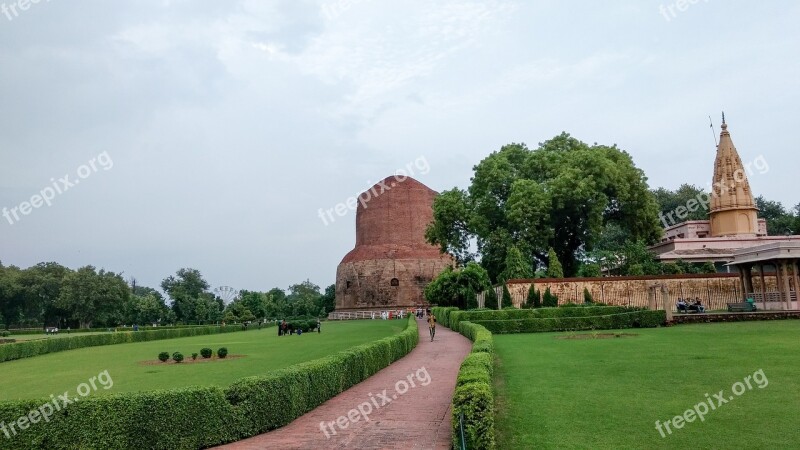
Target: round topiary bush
x,y
163,356
194,356
222,352
206,352
177,357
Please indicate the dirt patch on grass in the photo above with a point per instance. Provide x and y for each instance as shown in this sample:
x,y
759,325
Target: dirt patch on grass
x,y
597,336
189,360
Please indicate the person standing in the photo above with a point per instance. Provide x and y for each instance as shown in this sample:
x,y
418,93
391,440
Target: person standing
x,y
432,324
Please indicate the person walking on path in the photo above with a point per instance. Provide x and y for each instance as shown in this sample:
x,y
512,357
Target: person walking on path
x,y
432,324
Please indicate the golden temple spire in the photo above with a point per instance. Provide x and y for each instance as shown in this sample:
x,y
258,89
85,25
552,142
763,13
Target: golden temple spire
x,y
733,210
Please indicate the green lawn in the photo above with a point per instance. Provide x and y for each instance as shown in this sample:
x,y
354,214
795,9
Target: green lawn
x,y
609,393
55,373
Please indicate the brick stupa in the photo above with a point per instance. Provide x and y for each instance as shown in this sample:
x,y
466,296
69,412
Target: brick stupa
x,y
391,263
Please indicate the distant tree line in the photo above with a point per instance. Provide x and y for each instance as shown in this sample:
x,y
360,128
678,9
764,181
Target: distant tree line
x,y
49,294
673,209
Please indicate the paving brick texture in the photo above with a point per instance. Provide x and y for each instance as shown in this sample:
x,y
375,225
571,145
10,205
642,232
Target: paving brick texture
x,y
416,419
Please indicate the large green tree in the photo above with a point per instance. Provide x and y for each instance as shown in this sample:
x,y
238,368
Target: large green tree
x,y
94,297
458,287
516,265
688,202
561,195
184,289
304,299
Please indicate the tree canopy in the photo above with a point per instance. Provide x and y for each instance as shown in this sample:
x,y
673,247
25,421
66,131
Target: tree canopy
x,y
458,287
562,195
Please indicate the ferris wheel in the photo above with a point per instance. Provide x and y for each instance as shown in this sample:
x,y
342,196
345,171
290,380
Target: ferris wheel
x,y
227,294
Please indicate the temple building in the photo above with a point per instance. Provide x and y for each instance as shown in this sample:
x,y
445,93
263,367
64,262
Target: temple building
x,y
733,218
391,263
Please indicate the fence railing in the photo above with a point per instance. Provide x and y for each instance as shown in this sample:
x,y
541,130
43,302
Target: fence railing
x,y
376,314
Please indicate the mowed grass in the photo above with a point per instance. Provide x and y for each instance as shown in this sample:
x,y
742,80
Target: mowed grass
x,y
55,373
609,393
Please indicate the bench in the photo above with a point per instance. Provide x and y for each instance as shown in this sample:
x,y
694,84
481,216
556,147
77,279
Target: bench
x,y
741,307
688,309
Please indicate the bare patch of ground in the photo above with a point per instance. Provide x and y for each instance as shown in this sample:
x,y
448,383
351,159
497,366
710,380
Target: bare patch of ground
x,y
597,336
188,360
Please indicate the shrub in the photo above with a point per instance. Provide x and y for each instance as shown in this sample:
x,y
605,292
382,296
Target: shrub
x,y
636,319
4,333
194,356
490,301
507,302
554,268
531,301
206,352
177,357
587,296
130,420
473,397
222,352
549,299
163,356
455,317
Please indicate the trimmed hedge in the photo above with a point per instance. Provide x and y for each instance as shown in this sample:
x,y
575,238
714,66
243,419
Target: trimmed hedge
x,y
27,349
67,331
540,313
442,314
197,417
473,396
636,319
188,418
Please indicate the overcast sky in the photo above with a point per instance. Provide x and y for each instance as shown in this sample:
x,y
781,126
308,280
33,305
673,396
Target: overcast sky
x,y
208,134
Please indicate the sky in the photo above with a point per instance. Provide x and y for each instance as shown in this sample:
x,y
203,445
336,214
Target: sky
x,y
150,135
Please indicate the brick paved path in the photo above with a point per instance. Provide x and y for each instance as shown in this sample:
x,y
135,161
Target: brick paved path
x,y
418,419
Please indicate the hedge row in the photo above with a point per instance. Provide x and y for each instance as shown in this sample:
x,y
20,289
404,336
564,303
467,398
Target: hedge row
x,y
637,319
473,397
196,417
539,313
26,349
17,331
442,314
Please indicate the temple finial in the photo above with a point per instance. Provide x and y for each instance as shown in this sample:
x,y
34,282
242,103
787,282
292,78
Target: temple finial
x,y
723,117
724,125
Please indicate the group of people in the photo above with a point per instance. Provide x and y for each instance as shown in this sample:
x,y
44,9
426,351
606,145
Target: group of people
x,y
386,315
690,305
285,328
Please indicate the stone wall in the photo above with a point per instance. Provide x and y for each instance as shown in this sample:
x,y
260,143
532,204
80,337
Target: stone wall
x,y
367,284
714,290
